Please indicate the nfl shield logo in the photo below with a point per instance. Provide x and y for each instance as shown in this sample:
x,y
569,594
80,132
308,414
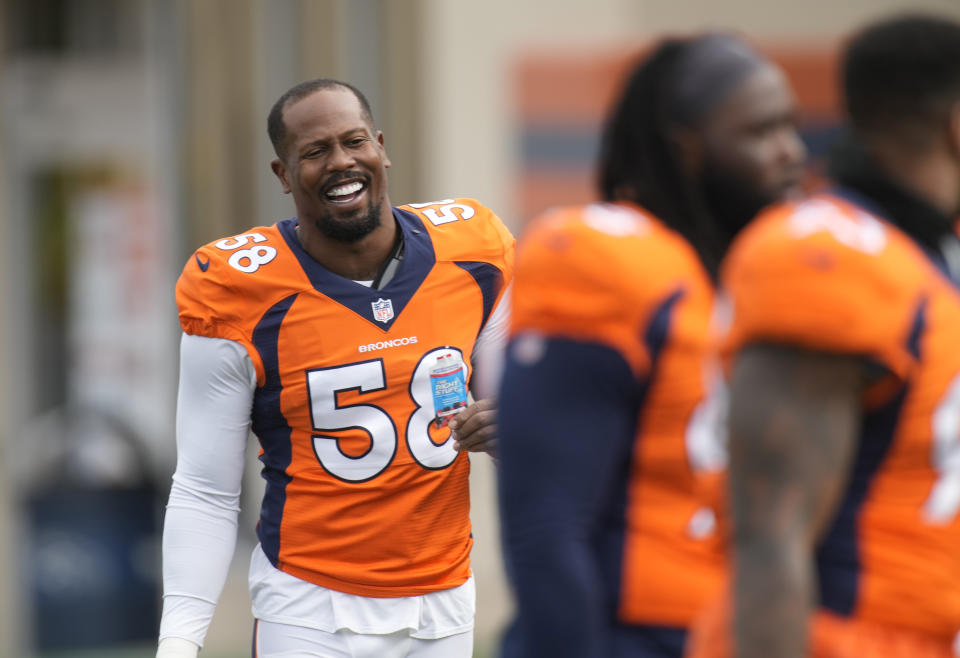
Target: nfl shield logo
x,y
382,310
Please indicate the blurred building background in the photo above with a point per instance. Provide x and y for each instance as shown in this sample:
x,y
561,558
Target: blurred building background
x,y
132,131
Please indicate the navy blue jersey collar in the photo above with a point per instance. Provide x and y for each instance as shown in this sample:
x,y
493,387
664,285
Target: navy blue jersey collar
x,y
418,260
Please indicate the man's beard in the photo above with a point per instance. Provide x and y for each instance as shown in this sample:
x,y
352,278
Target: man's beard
x,y
350,230
731,201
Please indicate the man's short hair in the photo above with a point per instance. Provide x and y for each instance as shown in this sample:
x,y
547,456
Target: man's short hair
x,y
901,75
277,129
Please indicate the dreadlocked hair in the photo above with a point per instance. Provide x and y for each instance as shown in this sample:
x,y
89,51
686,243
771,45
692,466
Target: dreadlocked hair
x,y
640,163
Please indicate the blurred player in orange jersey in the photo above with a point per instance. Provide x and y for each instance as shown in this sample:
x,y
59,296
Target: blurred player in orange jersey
x,y
345,339
845,391
606,405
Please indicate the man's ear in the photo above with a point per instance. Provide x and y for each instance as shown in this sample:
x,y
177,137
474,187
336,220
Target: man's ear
x,y
280,170
386,158
689,148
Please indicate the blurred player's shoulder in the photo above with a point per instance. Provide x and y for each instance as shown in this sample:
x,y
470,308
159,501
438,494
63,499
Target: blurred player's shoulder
x,y
825,222
826,274
826,240
610,244
602,273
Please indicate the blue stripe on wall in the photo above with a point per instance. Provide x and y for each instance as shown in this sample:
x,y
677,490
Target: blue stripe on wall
x,y
577,146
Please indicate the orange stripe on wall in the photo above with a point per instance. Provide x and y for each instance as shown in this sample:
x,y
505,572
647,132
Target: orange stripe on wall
x,y
563,88
814,75
542,190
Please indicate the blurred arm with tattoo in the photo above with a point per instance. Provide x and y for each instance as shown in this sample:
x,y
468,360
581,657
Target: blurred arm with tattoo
x,y
794,421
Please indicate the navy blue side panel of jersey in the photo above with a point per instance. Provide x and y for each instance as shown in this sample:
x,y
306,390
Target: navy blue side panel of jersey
x,y
418,260
626,642
272,429
659,327
838,556
567,425
917,329
489,279
611,543
648,642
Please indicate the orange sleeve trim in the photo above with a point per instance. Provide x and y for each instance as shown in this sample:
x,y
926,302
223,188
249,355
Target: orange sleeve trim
x,y
219,329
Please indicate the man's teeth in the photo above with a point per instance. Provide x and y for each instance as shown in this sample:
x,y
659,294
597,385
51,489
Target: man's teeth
x,y
345,190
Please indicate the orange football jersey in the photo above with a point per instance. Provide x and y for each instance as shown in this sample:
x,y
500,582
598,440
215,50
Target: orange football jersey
x,y
825,274
364,492
612,275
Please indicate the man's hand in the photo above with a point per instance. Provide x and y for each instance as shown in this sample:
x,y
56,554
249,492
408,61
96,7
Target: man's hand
x,y
475,428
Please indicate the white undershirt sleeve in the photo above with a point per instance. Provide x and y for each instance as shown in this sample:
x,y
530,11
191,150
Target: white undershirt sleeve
x,y
217,383
490,349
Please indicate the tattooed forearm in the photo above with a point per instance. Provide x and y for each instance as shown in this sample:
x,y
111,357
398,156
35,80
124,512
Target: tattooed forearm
x,y
793,425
